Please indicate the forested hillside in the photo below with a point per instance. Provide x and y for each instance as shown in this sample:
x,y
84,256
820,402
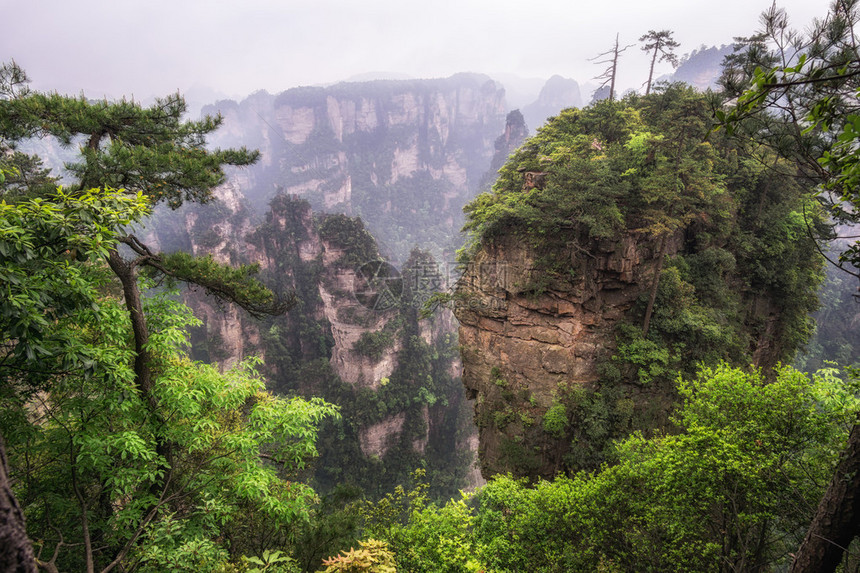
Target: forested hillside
x,y
644,253
355,339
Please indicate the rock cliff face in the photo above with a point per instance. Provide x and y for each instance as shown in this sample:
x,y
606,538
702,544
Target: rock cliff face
x,y
520,349
516,132
356,341
354,338
296,258
404,155
530,355
217,229
701,68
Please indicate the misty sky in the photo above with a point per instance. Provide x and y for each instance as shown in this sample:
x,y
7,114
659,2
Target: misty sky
x,y
130,47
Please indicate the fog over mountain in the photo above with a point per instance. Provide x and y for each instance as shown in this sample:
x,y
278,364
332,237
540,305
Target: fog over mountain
x,y
152,48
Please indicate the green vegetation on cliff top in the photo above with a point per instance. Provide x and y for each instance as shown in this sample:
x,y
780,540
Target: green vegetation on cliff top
x,y
645,167
735,270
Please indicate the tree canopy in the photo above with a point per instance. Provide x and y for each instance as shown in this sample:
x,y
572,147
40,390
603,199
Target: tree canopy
x,y
732,490
798,94
124,454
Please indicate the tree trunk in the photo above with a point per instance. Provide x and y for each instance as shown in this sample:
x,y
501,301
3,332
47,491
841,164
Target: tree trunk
x,y
16,553
651,72
837,519
125,271
614,69
85,523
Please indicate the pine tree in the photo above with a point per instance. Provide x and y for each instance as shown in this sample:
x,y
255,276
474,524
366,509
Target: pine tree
x,y
150,150
155,157
660,43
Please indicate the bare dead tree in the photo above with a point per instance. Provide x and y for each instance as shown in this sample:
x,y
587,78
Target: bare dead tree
x,y
609,75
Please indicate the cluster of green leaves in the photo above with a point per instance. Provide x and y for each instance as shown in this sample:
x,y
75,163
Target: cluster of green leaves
x,y
152,149
271,561
797,93
372,556
423,536
230,283
733,490
555,420
123,453
22,174
350,234
638,165
581,187
698,318
49,253
100,459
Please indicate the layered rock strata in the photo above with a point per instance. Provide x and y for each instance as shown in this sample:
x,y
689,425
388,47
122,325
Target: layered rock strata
x,y
519,347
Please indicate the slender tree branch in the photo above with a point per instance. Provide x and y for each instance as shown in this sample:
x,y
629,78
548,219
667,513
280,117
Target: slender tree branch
x,y
85,527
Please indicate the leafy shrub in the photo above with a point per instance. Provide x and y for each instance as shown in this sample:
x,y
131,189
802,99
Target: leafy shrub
x,y
372,556
737,486
555,420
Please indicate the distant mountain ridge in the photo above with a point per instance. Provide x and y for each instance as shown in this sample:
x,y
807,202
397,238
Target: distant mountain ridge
x,y
701,68
405,155
557,94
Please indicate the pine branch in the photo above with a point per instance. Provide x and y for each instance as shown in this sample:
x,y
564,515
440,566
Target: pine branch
x,y
236,285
